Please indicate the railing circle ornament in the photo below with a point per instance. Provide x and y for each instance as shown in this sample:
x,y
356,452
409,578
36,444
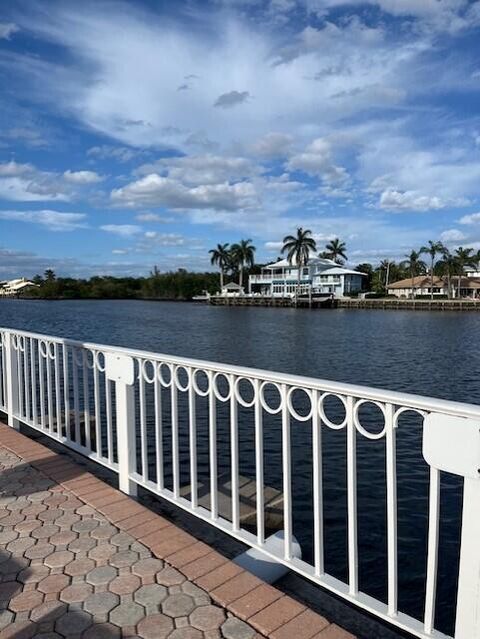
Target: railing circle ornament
x,y
87,353
161,366
148,377
238,395
293,412
177,381
196,388
326,420
216,390
361,429
99,360
263,401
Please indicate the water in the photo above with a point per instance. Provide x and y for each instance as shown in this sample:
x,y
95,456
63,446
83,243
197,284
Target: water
x,y
430,353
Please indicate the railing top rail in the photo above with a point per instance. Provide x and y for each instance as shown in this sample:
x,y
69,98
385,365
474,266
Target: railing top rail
x,y
405,400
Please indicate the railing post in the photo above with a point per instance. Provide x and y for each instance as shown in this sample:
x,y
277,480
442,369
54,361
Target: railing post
x,y
11,376
468,599
120,369
452,444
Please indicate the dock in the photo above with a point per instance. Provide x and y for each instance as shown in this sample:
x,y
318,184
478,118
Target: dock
x,y
411,305
273,301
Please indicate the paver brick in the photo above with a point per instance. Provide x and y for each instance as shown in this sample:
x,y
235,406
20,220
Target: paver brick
x,y
124,584
59,559
76,592
123,558
127,614
236,587
79,567
254,601
73,623
101,603
155,627
207,617
235,629
102,631
305,626
20,630
53,583
151,595
101,575
25,601
276,614
48,611
179,605
147,567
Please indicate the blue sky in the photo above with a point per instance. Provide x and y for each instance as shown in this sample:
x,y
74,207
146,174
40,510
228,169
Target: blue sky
x,y
142,133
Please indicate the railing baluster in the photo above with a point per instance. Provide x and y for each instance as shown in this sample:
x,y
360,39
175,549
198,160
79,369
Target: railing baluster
x,y
86,401
158,430
287,475
76,403
33,373
108,415
259,464
97,408
391,461
432,550
42,384
352,499
212,427
58,405
234,455
20,376
66,392
49,388
175,452
317,486
192,423
143,421
26,378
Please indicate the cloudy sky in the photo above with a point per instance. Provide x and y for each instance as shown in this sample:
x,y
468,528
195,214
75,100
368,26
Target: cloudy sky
x,y
143,133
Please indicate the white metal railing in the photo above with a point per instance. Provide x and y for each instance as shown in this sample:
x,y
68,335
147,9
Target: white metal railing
x,y
136,413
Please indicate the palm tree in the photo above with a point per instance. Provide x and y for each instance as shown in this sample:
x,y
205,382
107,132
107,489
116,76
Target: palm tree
x,y
463,258
221,257
432,249
385,266
49,275
243,254
335,249
298,248
415,265
447,266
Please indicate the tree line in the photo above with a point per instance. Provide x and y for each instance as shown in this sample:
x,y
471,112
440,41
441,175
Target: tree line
x,y
237,261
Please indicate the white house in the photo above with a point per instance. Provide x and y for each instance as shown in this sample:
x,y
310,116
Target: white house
x,y
14,287
321,276
232,289
421,286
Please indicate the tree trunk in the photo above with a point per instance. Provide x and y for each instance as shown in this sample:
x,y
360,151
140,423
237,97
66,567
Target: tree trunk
x,y
431,282
240,279
221,280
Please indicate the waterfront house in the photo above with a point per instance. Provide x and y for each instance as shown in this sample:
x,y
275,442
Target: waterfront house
x,y
15,287
420,286
320,276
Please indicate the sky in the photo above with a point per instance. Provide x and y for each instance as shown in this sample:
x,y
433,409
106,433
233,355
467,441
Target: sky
x,y
144,133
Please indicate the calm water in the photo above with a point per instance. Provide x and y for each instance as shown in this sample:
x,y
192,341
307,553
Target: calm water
x,y
430,353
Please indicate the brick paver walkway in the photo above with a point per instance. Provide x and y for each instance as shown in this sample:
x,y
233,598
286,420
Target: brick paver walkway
x,y
66,571
79,559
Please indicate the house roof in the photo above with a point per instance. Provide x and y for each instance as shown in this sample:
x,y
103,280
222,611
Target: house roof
x,y
420,281
423,281
339,270
284,263
234,286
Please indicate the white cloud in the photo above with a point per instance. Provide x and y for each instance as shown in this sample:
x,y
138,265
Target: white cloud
x,y
82,177
7,29
273,145
473,218
119,153
452,235
52,220
202,169
153,217
154,190
123,230
13,169
317,160
409,201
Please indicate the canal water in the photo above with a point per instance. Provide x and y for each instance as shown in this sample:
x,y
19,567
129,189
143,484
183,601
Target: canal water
x,y
430,353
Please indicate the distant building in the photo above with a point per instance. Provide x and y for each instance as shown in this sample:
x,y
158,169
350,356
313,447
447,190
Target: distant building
x,y
421,286
233,290
320,276
13,288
